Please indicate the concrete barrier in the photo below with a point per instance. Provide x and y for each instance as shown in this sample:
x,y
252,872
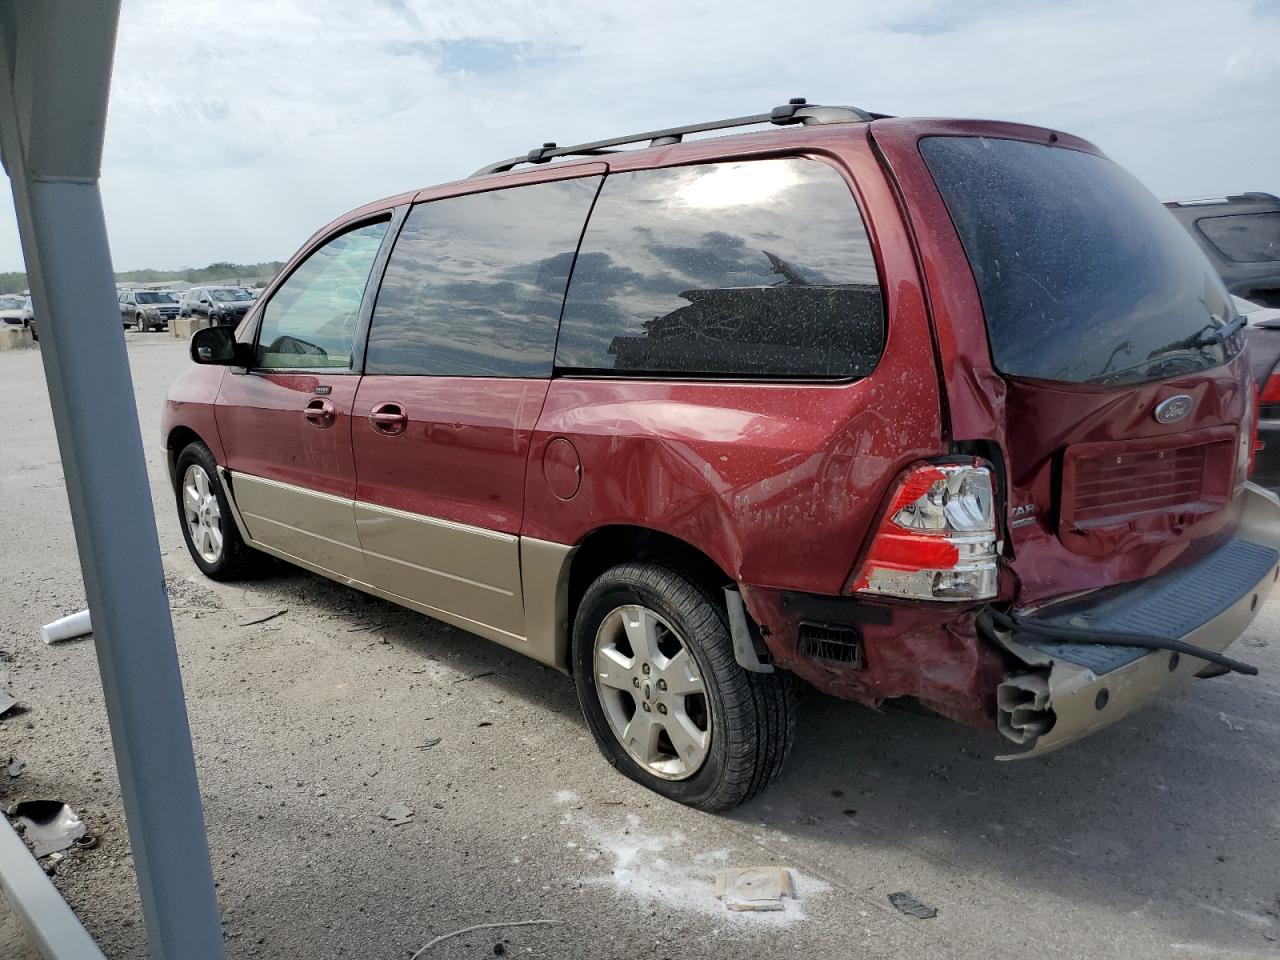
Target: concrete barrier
x,y
15,337
184,327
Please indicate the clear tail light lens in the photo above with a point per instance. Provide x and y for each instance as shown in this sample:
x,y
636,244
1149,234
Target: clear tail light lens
x,y
938,537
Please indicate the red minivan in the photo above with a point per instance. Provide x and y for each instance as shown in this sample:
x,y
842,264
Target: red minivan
x,y
948,411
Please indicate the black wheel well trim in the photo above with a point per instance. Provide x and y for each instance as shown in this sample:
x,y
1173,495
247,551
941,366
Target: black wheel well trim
x,y
178,439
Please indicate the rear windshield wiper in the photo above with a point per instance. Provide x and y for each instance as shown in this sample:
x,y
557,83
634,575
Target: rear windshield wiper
x,y
1208,334
1212,334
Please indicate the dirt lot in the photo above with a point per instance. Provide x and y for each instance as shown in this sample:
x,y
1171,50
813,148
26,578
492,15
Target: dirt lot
x,y
1158,838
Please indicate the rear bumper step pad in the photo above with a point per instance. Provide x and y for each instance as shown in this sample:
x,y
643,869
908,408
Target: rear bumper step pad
x,y
1169,605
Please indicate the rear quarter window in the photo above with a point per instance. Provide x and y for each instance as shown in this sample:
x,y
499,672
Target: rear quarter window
x,y
759,268
1244,237
1084,276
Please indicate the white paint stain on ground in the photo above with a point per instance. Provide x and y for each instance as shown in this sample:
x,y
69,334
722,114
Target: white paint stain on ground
x,y
669,869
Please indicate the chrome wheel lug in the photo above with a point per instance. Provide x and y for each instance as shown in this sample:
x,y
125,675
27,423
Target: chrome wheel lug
x,y
662,709
645,706
645,669
635,682
662,684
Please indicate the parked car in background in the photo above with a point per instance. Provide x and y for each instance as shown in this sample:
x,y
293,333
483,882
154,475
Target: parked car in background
x,y
726,412
11,310
1263,336
1241,236
29,317
147,309
220,305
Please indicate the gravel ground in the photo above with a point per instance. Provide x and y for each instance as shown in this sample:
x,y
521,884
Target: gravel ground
x,y
1157,838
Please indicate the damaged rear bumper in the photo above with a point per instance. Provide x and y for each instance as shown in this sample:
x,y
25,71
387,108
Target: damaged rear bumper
x,y
1070,691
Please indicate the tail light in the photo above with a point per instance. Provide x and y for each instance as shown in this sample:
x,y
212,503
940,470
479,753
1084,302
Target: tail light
x,y
1271,390
1252,413
937,539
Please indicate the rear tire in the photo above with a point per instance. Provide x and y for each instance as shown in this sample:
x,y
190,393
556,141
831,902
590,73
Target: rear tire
x,y
212,537
747,720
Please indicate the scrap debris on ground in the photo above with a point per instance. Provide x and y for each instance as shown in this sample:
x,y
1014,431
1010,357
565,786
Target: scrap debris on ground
x,y
912,907
755,888
49,826
67,628
483,926
263,619
475,676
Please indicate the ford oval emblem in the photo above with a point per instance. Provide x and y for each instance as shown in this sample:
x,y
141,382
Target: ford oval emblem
x,y
1174,409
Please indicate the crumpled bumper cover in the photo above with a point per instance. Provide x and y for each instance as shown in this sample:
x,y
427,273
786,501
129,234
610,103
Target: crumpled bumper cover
x,y
1072,690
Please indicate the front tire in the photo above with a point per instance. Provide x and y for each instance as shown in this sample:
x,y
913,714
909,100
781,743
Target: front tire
x,y
213,540
140,324
665,698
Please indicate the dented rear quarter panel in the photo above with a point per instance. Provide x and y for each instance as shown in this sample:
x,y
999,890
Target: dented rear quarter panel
x,y
779,483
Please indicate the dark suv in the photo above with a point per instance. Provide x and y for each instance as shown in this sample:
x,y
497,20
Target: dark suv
x,y
949,412
219,305
1241,236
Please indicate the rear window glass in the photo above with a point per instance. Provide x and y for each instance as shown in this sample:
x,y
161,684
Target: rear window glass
x,y
1084,276
1244,237
758,268
475,283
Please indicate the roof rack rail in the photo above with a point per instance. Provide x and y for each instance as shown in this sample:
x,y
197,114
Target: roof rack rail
x,y
797,110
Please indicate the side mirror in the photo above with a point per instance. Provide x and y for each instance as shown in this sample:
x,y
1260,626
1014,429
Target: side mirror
x,y
216,346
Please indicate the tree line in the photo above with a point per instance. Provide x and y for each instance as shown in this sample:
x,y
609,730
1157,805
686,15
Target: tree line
x,y
244,273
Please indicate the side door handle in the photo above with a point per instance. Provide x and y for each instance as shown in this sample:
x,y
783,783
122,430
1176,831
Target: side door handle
x,y
319,412
389,419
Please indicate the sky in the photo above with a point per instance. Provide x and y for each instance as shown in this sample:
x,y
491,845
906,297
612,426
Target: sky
x,y
236,129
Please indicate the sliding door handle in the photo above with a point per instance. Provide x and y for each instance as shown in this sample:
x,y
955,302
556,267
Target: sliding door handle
x,y
389,419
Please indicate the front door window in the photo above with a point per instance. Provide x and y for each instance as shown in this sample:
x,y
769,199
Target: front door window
x,y
310,321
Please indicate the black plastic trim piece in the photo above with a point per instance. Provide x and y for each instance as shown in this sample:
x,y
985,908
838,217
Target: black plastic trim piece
x,y
746,642
842,610
991,618
835,643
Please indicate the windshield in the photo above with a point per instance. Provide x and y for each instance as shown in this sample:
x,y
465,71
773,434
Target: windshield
x,y
1084,276
222,295
11,303
154,298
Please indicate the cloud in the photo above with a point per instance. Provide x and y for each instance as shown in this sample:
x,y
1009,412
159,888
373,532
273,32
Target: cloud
x,y
236,129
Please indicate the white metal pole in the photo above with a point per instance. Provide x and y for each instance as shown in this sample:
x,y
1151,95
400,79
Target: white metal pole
x,y
56,58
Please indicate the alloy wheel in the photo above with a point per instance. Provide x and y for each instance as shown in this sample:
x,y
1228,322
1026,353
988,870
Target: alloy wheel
x,y
652,692
202,513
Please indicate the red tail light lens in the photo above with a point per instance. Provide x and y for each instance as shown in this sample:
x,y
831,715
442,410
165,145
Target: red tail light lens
x,y
937,539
